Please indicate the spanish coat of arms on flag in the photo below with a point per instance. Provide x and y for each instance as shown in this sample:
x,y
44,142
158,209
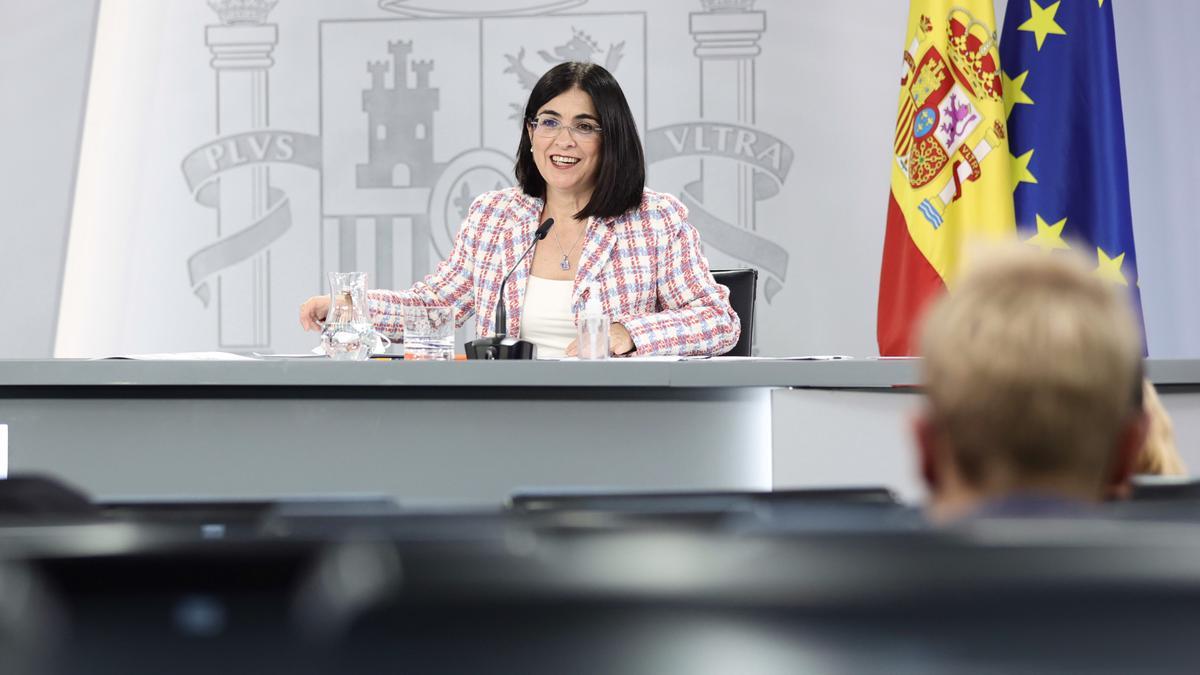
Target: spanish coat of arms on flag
x,y
950,172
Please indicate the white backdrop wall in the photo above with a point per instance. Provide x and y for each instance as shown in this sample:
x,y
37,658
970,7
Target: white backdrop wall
x,y
45,48
153,264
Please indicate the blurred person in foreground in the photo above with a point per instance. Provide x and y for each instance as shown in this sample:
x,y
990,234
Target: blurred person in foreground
x,y
614,244
1159,456
1033,384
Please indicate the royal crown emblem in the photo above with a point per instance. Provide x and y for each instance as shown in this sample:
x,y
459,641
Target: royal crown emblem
x,y
242,11
973,54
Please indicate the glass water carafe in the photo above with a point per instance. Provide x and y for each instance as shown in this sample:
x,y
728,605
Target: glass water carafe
x,y
348,334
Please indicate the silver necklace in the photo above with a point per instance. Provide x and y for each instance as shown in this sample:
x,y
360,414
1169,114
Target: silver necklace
x,y
565,263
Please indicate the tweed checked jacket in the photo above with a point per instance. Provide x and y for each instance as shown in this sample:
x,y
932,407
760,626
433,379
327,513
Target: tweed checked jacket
x,y
645,267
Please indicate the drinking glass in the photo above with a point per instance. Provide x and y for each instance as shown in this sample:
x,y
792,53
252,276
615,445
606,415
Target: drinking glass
x,y
428,332
592,336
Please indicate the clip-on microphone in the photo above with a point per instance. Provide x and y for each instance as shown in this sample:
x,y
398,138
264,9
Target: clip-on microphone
x,y
500,347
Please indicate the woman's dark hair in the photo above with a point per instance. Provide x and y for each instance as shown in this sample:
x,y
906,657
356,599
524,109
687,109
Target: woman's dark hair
x,y
622,173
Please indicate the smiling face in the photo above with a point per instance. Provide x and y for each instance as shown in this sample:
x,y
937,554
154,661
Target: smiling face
x,y
568,163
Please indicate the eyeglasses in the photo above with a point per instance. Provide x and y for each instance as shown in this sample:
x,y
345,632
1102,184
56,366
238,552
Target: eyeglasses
x,y
549,127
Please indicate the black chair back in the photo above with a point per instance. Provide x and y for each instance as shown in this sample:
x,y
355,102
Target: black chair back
x,y
36,497
1159,489
743,290
699,501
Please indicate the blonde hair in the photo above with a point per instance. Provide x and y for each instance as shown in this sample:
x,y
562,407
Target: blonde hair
x,y
1032,369
1159,456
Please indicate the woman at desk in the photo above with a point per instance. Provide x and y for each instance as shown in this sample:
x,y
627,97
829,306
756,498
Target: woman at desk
x,y
614,244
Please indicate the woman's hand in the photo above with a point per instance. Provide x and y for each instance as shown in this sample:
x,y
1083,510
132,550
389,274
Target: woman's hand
x,y
619,341
313,312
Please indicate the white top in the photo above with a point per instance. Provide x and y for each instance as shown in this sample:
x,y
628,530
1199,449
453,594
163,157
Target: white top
x,y
546,318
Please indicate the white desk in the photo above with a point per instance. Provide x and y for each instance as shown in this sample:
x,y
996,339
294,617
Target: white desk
x,y
473,431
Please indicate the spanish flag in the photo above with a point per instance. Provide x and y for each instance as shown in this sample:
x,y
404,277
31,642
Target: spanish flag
x,y
950,179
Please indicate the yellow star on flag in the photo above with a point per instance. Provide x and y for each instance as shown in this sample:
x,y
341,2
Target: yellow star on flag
x,y
1020,170
1042,22
1049,237
1014,92
1110,268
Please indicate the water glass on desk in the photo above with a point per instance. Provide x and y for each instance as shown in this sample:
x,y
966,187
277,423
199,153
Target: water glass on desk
x,y
592,336
428,332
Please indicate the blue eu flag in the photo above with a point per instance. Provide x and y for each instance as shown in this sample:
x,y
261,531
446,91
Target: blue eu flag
x,y
1067,134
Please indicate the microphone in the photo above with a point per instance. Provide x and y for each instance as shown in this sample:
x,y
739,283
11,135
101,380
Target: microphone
x,y
500,346
500,328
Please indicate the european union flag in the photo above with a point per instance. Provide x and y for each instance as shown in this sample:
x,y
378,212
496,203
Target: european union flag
x,y
1067,133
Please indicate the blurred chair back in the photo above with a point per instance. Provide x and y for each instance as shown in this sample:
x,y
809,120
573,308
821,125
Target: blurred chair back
x,y
217,518
743,289
36,497
1004,597
682,502
1160,489
32,628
